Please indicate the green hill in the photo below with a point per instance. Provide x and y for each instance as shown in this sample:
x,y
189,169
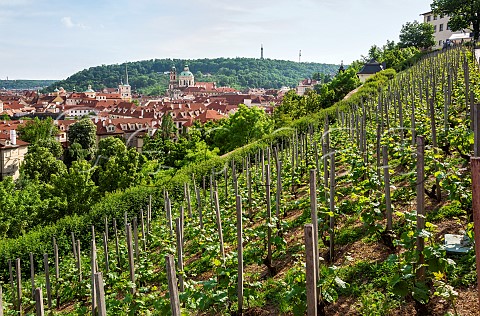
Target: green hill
x,y
25,84
151,76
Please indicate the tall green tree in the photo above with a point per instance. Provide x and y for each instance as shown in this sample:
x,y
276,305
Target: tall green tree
x,y
36,129
244,126
84,132
40,164
19,207
117,167
167,127
415,34
464,14
75,188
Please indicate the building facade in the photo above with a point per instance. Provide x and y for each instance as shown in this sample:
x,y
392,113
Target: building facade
x,y
12,153
441,31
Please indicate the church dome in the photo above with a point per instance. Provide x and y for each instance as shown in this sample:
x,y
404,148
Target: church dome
x,y
89,89
186,72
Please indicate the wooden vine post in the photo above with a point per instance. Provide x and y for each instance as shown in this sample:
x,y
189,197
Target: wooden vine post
x,y
131,262
313,210
178,231
117,249
19,286
57,272
79,262
93,270
12,286
386,176
101,306
172,286
311,272
240,254
1,301
420,204
199,207
47,281
269,219
219,226
38,302
476,130
475,164
332,207
32,275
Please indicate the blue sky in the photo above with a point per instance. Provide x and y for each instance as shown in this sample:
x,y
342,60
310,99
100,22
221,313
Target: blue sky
x,y
52,39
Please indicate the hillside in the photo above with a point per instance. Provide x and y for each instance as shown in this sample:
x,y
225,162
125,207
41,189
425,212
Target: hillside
x,y
149,76
25,84
378,254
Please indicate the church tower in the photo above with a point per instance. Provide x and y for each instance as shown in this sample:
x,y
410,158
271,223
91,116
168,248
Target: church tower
x,y
173,79
124,89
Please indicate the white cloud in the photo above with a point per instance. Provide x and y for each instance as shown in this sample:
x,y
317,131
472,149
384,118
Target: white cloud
x,y
68,23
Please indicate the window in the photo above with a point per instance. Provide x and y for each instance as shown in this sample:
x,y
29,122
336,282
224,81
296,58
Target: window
x,y
440,43
434,28
441,27
441,16
429,18
448,27
434,17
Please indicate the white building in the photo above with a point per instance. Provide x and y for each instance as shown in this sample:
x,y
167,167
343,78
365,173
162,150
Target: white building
x,y
441,30
12,153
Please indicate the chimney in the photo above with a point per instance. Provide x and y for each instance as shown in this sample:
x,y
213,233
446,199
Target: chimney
x,y
13,136
96,119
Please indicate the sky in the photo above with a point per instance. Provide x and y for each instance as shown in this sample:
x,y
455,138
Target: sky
x,y
53,39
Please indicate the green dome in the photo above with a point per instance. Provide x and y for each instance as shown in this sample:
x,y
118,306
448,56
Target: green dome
x,y
186,74
89,89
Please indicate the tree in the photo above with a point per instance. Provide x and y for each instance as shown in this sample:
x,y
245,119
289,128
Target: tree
x,y
419,35
463,14
246,125
36,129
40,164
290,109
84,132
168,126
117,166
75,189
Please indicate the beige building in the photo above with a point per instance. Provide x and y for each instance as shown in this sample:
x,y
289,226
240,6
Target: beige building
x,y
12,153
441,30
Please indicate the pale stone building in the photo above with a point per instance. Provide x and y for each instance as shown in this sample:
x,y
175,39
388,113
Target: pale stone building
x,y
12,153
441,30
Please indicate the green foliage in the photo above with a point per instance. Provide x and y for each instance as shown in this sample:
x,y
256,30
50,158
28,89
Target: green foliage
x,y
25,84
18,208
244,126
84,132
325,95
40,164
117,167
75,189
167,129
149,77
394,56
415,34
36,130
452,210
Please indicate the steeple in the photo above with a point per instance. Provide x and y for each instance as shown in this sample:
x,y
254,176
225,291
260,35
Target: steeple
x,y
126,75
342,68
